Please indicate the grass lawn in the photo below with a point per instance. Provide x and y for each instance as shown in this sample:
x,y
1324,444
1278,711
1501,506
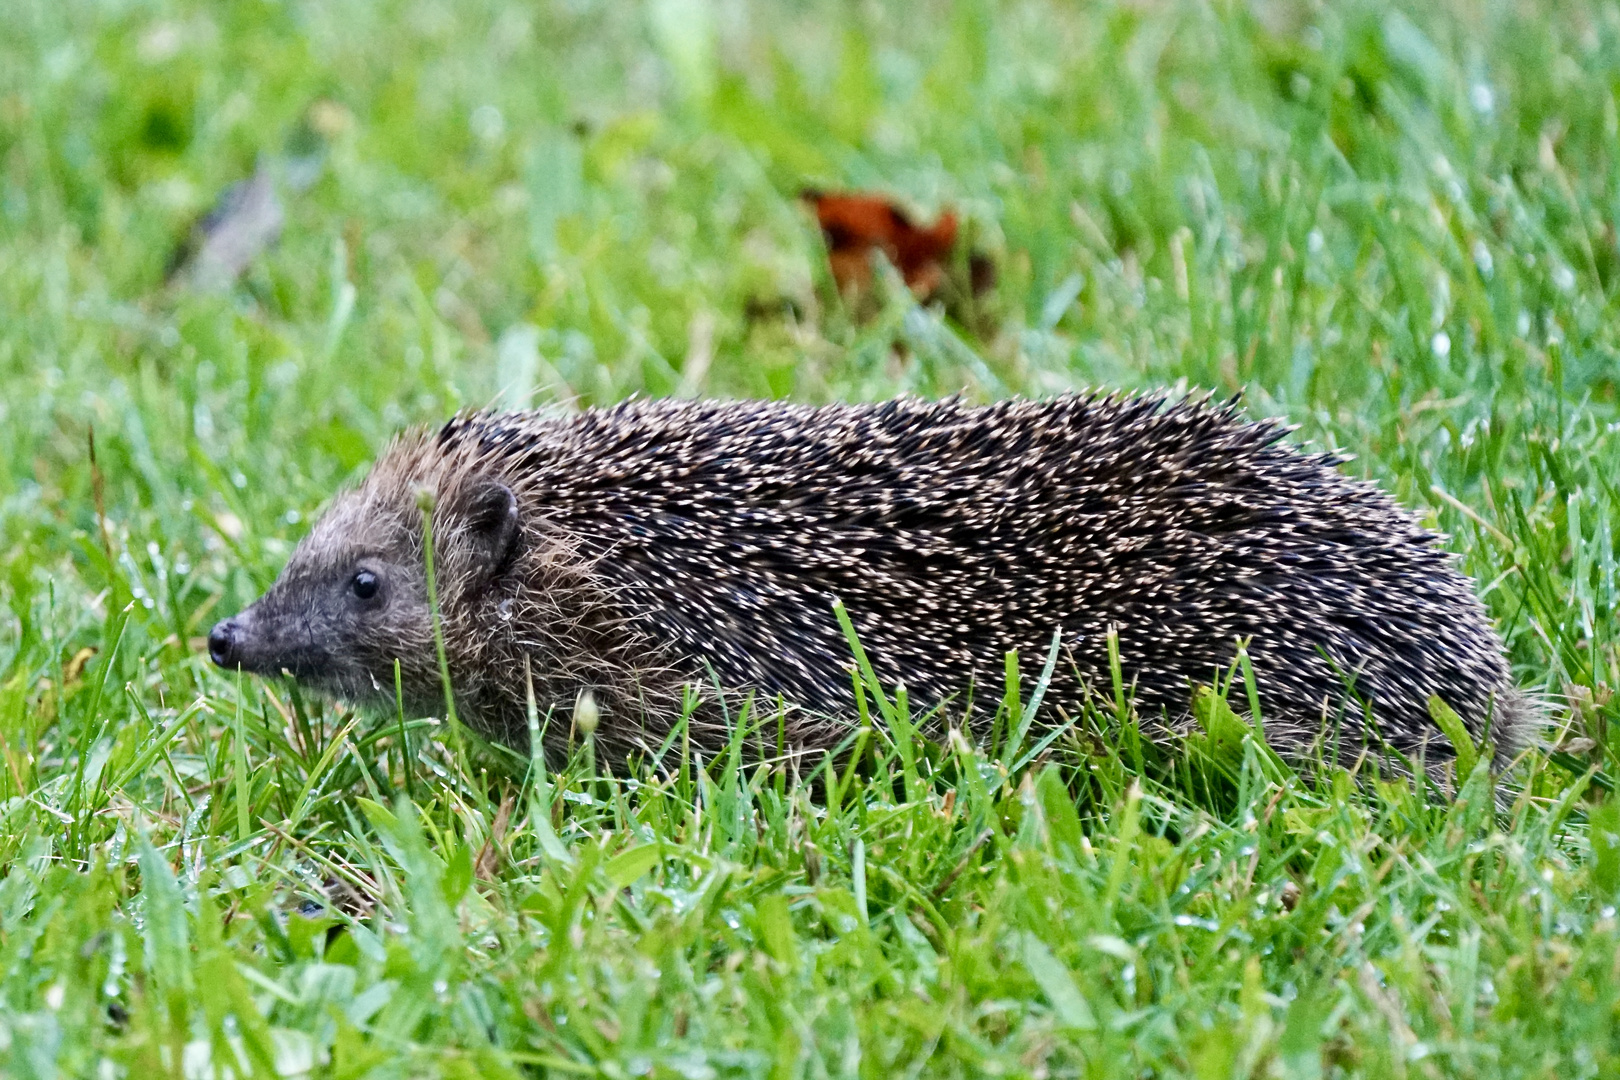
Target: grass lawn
x,y
1395,228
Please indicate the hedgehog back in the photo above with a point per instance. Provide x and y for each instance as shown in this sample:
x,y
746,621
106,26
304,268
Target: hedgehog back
x,y
954,533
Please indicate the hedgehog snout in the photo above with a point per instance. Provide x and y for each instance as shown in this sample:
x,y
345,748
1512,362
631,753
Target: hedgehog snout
x,y
235,642
250,642
223,641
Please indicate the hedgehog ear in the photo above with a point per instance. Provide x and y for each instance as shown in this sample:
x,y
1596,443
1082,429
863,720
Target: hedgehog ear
x,y
493,527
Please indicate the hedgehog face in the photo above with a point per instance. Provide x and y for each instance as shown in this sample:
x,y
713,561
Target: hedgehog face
x,y
351,600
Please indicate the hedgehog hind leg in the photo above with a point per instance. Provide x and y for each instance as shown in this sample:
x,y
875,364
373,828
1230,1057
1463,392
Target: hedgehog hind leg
x,y
1517,719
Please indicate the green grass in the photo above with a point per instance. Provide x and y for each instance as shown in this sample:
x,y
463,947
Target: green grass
x,y
1395,230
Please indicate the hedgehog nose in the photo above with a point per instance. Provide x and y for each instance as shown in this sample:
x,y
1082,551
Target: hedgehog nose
x,y
222,641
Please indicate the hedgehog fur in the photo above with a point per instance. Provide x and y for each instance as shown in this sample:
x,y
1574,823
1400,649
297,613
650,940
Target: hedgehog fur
x,y
642,549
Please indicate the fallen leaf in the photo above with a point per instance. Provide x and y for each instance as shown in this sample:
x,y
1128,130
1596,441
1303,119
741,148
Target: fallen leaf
x,y
857,224
489,856
75,667
246,220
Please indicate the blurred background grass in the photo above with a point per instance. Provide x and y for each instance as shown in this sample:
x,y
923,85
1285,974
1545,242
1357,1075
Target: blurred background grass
x,y
1393,225
1394,232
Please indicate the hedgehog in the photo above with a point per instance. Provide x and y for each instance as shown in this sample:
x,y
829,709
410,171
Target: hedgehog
x,y
637,552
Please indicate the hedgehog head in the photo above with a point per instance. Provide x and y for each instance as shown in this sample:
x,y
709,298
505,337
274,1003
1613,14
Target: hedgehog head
x,y
353,599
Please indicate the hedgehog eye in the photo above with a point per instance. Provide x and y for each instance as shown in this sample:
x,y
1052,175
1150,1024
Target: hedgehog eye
x,y
364,585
